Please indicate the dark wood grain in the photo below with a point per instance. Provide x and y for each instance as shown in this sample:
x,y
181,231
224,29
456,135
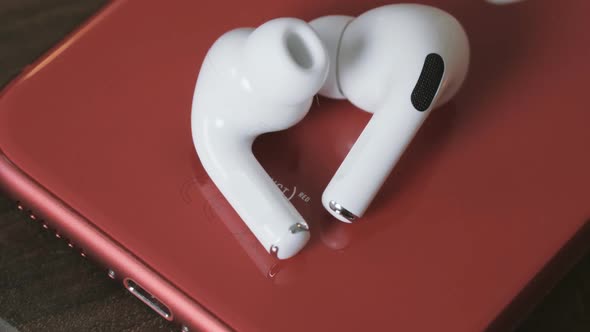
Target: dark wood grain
x,y
46,286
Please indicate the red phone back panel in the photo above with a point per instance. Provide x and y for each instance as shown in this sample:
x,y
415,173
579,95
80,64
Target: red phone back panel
x,y
495,183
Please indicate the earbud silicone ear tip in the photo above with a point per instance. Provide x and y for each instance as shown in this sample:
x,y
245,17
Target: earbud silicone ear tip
x,y
330,29
286,61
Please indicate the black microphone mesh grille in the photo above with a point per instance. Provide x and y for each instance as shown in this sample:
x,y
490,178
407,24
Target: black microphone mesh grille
x,y
428,83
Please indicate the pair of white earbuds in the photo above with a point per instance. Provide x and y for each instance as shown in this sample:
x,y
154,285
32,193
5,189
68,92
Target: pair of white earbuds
x,y
396,61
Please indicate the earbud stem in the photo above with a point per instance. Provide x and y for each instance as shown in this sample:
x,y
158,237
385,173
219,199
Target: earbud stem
x,y
251,192
371,159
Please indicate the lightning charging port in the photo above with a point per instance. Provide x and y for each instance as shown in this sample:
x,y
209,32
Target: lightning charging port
x,y
148,299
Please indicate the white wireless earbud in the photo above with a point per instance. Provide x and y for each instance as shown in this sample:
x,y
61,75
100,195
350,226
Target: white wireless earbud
x,y
398,62
255,81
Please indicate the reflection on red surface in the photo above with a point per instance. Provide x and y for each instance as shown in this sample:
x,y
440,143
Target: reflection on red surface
x,y
218,210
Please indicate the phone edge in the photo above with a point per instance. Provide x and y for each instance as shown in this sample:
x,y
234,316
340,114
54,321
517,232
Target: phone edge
x,y
71,225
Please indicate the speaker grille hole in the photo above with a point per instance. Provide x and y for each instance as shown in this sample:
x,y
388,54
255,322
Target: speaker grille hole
x,y
298,50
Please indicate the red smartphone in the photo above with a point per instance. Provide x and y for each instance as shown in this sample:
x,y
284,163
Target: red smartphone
x,y
96,142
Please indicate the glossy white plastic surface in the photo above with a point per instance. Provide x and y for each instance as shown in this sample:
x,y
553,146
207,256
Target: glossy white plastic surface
x,y
380,57
330,28
252,82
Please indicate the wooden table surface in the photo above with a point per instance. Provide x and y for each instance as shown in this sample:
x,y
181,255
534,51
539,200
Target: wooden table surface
x,y
45,286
